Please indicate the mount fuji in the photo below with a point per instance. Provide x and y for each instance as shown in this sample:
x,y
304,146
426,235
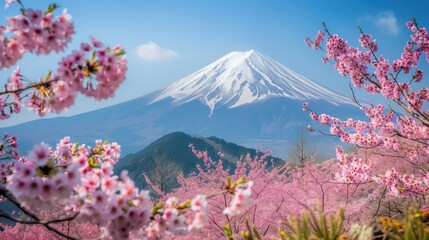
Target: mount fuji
x,y
243,97
240,78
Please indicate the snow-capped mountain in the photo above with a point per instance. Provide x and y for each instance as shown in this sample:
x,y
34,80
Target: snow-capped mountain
x,y
244,97
240,78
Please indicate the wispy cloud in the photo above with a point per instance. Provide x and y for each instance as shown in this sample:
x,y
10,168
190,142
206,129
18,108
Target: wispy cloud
x,y
153,52
387,22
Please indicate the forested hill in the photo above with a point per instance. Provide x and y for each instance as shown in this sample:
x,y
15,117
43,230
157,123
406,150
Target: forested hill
x,y
171,154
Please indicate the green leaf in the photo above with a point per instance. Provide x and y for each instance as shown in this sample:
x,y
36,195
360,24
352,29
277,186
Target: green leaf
x,y
51,8
228,233
239,181
92,56
228,182
76,148
255,231
119,53
93,162
186,204
156,208
48,75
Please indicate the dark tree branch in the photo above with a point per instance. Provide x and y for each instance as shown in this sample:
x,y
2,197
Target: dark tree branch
x,y
37,220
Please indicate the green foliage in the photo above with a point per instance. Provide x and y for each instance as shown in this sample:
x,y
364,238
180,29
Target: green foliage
x,y
237,150
232,148
413,226
51,8
311,227
228,233
251,233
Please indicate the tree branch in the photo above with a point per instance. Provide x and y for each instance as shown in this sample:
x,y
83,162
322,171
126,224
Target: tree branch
x,y
5,193
379,202
33,85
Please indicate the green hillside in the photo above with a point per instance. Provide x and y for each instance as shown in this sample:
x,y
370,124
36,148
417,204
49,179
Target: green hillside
x,y
171,154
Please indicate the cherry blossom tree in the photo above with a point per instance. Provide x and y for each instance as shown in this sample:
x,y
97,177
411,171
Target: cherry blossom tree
x,y
401,136
76,180
230,210
277,193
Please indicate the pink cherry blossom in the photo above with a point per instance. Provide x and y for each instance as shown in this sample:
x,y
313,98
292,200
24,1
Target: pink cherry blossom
x,y
241,200
199,203
40,154
305,106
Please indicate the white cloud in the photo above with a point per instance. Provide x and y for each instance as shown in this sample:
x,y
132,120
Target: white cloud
x,y
152,52
387,22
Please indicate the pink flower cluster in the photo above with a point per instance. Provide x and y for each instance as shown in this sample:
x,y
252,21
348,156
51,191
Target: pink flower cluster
x,y
263,183
304,106
366,42
241,201
94,70
403,185
405,136
352,169
79,179
355,63
407,139
103,199
171,220
9,147
5,170
114,203
36,32
14,83
408,60
198,205
316,44
37,183
349,61
8,151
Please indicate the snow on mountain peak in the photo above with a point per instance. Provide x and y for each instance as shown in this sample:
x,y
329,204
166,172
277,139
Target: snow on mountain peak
x,y
245,77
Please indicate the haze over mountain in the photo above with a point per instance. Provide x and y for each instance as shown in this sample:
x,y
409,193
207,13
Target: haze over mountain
x,y
244,97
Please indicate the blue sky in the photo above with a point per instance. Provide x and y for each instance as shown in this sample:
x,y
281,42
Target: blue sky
x,y
167,40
